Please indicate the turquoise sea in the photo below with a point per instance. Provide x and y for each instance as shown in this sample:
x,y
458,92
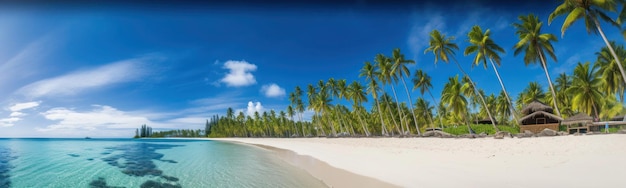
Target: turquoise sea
x,y
107,163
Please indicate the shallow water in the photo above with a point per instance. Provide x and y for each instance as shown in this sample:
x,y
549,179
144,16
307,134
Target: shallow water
x,y
143,163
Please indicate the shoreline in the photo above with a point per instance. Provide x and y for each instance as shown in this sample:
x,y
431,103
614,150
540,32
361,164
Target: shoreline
x,y
573,161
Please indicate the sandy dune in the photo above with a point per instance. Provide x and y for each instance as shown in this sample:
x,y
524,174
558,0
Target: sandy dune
x,y
562,161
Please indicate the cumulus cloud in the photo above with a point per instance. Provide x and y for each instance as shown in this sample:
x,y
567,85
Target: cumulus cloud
x,y
272,90
72,83
239,73
254,107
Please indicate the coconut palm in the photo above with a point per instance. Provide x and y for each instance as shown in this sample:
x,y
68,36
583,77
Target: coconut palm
x,y
424,109
422,81
502,107
356,94
591,11
400,69
535,45
386,76
322,105
532,92
586,89
290,113
452,96
485,48
443,48
611,78
563,82
370,73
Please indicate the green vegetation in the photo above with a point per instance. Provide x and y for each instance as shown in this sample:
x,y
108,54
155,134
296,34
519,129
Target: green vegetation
x,y
480,128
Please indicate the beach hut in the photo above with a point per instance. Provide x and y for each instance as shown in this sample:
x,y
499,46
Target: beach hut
x,y
538,116
618,118
578,123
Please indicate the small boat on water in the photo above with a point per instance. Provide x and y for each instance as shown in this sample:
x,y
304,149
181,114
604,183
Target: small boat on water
x,y
87,137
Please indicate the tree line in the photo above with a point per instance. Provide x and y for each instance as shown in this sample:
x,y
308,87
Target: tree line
x,y
595,87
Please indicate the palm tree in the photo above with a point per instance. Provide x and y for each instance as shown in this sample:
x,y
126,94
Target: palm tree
x,y
357,95
590,11
370,73
452,96
421,81
423,108
443,48
321,105
502,106
532,92
563,82
290,113
400,69
387,76
535,44
611,79
586,89
485,48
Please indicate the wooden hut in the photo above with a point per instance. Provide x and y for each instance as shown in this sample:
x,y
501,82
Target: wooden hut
x,y
618,118
578,123
538,116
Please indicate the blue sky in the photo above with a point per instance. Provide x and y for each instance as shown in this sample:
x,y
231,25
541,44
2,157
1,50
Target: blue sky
x,y
104,71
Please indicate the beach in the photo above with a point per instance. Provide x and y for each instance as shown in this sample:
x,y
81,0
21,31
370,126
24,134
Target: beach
x,y
560,161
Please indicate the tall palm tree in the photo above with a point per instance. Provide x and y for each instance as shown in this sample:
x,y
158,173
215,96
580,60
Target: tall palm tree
x,y
443,48
322,105
590,11
370,73
563,82
532,92
535,44
611,78
422,81
386,76
452,96
586,89
485,48
356,94
400,69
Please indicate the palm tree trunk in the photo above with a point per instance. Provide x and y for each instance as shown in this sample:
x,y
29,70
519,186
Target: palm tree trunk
x,y
382,122
393,118
301,125
367,132
332,127
595,109
438,109
400,114
545,69
606,41
504,89
295,128
493,122
411,106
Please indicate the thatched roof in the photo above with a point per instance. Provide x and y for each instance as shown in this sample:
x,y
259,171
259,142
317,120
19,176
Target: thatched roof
x,y
536,106
542,113
578,118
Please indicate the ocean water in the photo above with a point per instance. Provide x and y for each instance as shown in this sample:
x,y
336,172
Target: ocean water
x,y
108,163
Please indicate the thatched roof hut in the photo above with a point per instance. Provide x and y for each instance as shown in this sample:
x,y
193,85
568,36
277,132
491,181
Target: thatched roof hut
x,y
534,118
578,118
536,106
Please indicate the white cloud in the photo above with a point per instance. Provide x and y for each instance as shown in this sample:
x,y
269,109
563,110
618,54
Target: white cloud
x,y
272,90
254,107
22,106
73,83
17,114
99,117
239,73
8,122
420,32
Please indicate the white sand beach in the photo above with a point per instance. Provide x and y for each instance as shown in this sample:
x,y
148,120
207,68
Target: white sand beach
x,y
561,161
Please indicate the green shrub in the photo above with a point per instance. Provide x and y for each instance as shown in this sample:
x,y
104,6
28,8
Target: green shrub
x,y
611,129
479,128
563,128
